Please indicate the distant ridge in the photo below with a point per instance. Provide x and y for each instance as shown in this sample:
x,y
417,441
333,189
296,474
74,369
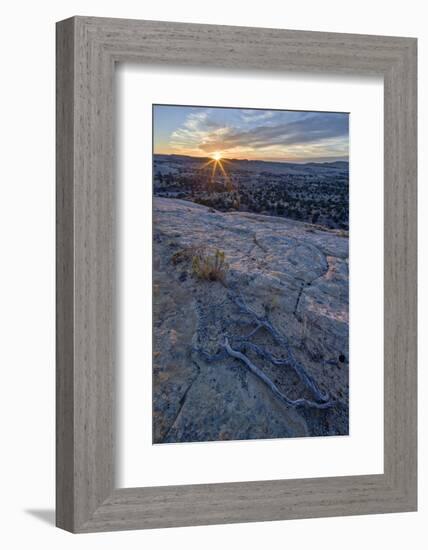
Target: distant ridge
x,y
341,164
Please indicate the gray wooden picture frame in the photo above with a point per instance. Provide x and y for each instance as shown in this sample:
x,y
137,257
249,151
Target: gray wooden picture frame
x,y
87,50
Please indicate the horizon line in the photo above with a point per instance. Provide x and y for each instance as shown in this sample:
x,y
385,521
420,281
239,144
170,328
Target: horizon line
x,y
255,160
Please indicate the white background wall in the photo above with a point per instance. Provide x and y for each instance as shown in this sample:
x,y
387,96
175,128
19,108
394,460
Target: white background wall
x,y
27,271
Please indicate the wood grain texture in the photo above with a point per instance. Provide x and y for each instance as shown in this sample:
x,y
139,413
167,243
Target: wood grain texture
x,y
64,276
87,50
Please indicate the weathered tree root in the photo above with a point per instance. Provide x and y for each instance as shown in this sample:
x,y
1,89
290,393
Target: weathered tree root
x,y
321,400
263,322
282,397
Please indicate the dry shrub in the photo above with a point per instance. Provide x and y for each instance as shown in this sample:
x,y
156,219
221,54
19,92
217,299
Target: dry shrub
x,y
210,267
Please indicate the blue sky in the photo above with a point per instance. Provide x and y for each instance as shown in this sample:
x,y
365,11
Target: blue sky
x,y
294,136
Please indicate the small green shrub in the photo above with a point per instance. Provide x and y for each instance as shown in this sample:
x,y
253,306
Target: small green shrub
x,y
210,267
271,303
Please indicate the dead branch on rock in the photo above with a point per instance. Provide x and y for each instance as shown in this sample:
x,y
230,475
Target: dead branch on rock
x,y
282,397
321,400
263,322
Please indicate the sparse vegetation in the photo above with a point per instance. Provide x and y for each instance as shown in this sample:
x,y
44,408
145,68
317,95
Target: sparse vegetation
x,y
271,303
313,193
210,267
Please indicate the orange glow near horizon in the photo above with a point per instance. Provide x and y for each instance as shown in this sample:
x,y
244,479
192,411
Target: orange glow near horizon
x,y
217,155
218,162
269,135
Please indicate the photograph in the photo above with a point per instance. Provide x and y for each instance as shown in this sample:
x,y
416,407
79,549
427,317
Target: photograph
x,y
250,274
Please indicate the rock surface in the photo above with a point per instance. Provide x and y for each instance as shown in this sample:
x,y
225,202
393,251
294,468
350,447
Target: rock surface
x,y
292,273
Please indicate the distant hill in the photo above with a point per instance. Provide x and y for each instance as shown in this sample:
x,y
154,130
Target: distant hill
x,y
335,163
258,165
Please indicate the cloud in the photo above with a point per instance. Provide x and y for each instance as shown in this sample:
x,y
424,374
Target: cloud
x,y
250,133
252,115
311,129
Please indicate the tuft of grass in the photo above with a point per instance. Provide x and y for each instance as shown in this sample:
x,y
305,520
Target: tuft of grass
x,y
271,304
342,233
210,267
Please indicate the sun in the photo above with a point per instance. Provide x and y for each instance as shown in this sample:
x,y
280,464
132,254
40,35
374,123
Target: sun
x,y
217,155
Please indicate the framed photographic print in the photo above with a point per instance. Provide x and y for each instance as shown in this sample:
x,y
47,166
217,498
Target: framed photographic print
x,y
266,266
236,274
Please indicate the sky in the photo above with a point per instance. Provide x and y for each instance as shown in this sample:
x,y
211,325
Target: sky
x,y
254,134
